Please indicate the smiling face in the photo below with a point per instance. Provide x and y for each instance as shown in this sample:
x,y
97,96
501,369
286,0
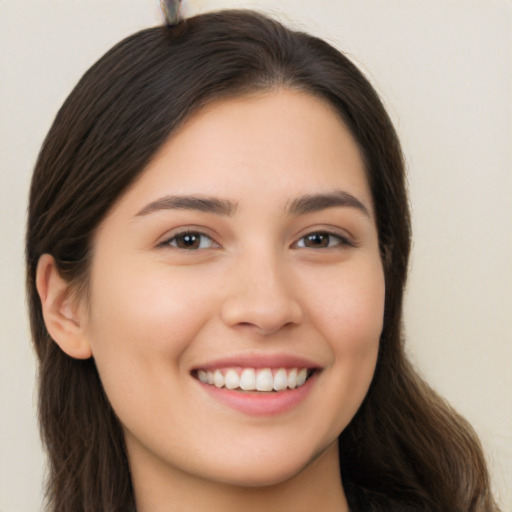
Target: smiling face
x,y
246,255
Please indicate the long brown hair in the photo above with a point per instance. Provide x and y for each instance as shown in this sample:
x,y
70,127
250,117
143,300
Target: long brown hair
x,y
405,449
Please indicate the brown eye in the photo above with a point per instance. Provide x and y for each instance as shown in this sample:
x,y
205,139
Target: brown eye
x,y
321,240
316,240
190,240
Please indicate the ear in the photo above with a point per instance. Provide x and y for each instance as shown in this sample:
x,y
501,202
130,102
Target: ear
x,y
63,317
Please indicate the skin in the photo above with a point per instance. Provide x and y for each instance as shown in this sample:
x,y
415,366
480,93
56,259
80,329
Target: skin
x,y
256,285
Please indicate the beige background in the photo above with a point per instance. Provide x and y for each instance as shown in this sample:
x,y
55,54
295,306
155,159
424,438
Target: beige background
x,y
444,69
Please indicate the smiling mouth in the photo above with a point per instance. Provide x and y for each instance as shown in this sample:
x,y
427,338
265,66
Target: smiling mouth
x,y
255,379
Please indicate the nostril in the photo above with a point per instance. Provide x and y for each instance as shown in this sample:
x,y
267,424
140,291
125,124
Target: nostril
x,y
262,321
265,307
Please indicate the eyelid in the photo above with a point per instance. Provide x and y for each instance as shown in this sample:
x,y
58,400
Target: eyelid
x,y
164,241
345,240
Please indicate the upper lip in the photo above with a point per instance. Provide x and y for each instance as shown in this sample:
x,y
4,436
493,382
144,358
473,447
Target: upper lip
x,y
259,361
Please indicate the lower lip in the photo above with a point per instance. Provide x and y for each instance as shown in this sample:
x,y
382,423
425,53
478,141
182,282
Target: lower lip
x,y
260,403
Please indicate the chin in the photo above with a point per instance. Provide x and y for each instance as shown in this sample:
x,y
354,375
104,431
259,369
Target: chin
x,y
261,478
274,469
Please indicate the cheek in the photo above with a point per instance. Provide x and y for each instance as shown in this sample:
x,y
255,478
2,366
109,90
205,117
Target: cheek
x,y
145,308
141,322
349,306
349,315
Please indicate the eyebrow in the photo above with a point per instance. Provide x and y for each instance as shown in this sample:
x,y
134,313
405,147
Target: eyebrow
x,y
315,202
309,203
201,203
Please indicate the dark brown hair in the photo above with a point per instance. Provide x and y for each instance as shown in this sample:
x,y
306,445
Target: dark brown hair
x,y
405,449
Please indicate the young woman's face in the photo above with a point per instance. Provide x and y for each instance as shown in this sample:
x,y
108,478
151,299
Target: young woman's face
x,y
245,255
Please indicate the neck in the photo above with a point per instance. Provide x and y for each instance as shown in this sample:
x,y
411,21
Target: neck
x,y
316,487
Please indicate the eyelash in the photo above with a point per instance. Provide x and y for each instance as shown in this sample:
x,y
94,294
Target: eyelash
x,y
193,236
173,241
341,241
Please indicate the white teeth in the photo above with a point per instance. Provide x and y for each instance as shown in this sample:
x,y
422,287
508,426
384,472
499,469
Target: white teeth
x,y
264,380
280,380
248,380
232,379
292,379
251,379
301,377
218,379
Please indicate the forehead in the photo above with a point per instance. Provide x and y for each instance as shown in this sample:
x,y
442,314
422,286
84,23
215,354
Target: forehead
x,y
277,144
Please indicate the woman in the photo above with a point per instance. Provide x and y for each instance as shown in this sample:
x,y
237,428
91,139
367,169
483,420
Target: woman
x,y
217,249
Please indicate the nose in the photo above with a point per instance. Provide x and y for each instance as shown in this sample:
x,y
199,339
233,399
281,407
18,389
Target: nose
x,y
262,296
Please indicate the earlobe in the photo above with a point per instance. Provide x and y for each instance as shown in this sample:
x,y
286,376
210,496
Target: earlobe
x,y
62,316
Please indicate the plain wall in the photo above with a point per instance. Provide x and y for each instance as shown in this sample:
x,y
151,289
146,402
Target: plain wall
x,y
444,70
